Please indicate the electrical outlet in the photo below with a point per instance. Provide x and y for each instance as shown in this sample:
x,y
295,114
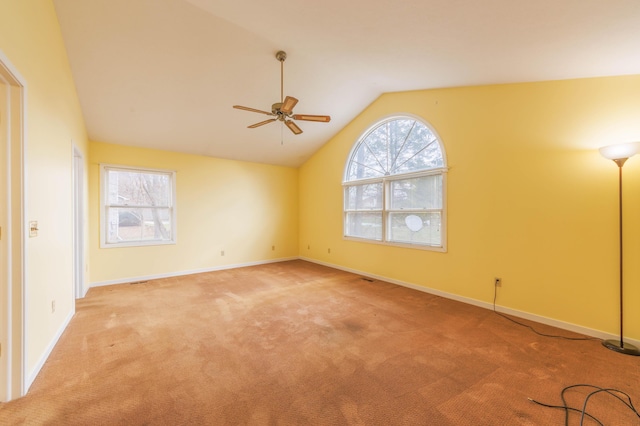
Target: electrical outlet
x,y
308,246
329,251
273,248
222,253
53,306
497,282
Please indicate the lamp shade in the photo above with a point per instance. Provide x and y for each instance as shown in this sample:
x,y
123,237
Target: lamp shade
x,y
619,151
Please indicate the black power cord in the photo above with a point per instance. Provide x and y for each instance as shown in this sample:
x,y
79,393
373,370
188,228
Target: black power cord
x,y
567,409
583,412
495,295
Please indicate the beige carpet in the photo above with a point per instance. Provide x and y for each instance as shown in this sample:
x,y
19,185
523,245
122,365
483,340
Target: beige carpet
x,y
296,343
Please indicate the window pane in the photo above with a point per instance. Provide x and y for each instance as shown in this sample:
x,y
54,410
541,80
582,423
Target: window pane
x,y
138,224
364,197
420,151
364,225
133,188
377,143
401,133
419,159
417,193
366,164
415,228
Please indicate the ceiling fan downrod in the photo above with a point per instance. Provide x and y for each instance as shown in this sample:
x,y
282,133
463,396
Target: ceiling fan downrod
x,y
281,56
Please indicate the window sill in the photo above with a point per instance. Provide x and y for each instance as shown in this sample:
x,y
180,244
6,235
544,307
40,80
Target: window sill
x,y
438,249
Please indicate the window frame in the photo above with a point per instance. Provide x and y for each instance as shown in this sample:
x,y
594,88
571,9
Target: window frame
x,y
386,182
104,207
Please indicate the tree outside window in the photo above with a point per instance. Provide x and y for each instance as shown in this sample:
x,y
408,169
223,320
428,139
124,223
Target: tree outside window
x,y
138,206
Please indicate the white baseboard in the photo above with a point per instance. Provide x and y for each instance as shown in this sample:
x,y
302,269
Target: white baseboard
x,y
513,312
516,313
189,272
45,355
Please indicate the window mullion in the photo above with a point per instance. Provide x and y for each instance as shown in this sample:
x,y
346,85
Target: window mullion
x,y
424,210
385,214
138,206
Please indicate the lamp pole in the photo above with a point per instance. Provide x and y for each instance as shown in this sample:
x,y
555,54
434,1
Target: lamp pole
x,y
620,163
620,158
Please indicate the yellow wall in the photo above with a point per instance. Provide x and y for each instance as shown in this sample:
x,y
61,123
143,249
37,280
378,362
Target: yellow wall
x,y
530,199
241,208
30,38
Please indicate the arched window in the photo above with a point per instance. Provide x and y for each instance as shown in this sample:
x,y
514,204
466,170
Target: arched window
x,y
394,185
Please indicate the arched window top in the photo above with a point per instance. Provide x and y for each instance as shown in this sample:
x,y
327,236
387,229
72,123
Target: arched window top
x,y
396,145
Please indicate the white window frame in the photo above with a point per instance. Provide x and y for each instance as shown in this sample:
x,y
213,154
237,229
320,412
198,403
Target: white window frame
x,y
104,208
386,197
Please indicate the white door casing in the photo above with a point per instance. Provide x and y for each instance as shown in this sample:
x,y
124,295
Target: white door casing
x,y
78,224
12,232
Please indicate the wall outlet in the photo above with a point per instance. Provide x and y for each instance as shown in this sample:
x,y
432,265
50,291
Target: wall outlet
x,y
273,248
221,252
497,282
53,306
329,251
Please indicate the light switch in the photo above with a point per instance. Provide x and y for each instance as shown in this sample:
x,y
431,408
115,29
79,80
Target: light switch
x,y
33,228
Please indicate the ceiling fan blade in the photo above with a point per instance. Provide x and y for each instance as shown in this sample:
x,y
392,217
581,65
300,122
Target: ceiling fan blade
x,y
252,109
294,128
307,117
288,104
262,123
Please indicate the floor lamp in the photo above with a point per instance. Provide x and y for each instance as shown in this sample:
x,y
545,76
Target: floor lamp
x,y
620,154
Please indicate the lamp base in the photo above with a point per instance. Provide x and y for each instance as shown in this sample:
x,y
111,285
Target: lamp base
x,y
626,348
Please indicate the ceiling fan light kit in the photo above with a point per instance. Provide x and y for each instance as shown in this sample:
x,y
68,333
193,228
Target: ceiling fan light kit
x,y
283,110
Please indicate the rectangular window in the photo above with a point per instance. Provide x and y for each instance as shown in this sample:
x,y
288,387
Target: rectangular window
x,y
399,211
415,210
417,194
363,210
138,206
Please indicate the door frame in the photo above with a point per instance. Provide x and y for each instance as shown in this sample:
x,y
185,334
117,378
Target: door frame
x,y
13,278
78,224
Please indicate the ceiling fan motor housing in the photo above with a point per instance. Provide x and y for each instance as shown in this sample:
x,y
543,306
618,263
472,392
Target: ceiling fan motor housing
x,y
276,110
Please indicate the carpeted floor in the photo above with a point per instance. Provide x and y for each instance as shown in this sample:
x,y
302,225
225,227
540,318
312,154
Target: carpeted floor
x,y
296,343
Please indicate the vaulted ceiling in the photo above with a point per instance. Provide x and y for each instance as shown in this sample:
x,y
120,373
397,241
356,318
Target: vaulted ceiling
x,y
165,73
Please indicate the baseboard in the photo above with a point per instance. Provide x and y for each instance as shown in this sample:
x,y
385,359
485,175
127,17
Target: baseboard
x,y
45,355
189,272
513,312
516,313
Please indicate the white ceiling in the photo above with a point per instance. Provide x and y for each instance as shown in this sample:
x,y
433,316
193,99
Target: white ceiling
x,y
165,73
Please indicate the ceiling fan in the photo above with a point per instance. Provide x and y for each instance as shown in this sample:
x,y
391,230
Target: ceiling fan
x,y
283,110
